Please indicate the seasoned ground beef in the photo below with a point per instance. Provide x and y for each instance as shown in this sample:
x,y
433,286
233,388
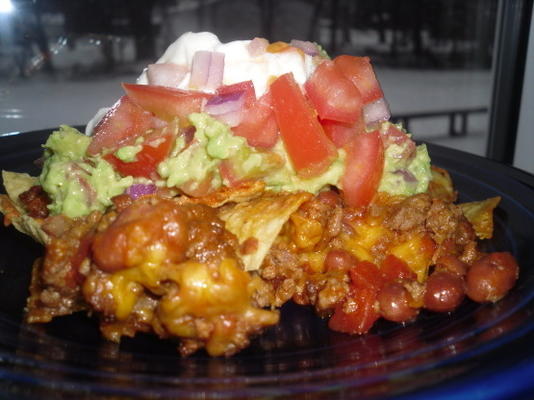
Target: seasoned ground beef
x,y
35,201
154,266
55,287
170,267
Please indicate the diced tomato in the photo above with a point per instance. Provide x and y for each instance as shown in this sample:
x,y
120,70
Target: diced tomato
x,y
259,124
362,314
365,282
247,87
341,133
122,124
155,148
333,95
363,168
166,103
360,72
365,275
309,149
393,268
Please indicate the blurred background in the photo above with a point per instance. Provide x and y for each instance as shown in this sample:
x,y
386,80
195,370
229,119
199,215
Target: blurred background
x,y
441,63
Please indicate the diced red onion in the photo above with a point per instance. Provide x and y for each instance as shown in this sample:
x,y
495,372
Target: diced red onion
x,y
224,103
376,111
166,74
257,46
200,68
207,70
232,118
140,189
227,107
307,47
406,175
215,76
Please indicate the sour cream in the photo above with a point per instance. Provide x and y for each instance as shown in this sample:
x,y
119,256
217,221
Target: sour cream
x,y
239,65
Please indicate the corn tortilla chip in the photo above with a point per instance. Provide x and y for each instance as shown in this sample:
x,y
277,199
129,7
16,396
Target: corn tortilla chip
x,y
261,219
16,183
440,185
240,193
480,215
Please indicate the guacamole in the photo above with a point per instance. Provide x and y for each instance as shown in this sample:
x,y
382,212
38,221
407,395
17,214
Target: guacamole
x,y
286,179
405,175
214,142
77,184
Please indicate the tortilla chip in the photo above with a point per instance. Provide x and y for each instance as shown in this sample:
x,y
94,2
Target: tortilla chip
x,y
12,208
243,192
480,215
441,186
17,183
261,219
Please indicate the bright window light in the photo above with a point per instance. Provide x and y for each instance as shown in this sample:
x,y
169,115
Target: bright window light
x,y
6,6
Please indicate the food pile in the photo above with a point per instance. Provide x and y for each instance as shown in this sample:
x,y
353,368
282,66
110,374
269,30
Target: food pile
x,y
234,177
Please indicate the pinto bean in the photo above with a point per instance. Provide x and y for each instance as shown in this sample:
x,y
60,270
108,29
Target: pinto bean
x,y
140,228
394,301
444,291
490,278
338,259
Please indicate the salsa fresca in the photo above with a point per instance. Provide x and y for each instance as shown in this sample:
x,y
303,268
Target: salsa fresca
x,y
234,177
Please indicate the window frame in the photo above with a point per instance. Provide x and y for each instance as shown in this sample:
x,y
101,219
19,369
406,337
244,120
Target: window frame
x,y
511,44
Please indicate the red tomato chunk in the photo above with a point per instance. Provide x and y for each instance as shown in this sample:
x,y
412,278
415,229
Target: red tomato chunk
x,y
364,166
259,124
155,150
309,149
333,95
166,103
360,72
122,123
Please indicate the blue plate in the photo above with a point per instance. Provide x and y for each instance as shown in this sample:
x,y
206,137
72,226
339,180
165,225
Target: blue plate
x,y
477,352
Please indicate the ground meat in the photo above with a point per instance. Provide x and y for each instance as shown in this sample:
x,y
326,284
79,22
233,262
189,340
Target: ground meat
x,y
292,280
139,320
318,220
335,288
390,224
281,268
122,201
172,269
410,213
442,220
55,287
35,201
